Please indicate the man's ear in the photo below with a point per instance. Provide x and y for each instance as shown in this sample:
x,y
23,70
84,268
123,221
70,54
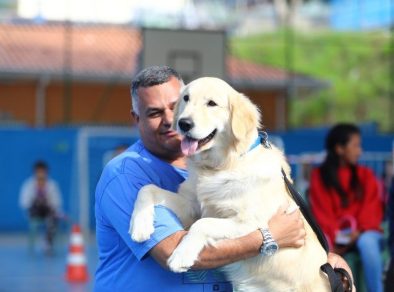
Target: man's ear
x,y
136,118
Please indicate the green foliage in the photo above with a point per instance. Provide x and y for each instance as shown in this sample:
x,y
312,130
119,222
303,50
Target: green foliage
x,y
357,66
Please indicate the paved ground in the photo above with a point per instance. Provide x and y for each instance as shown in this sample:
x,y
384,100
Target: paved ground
x,y
21,271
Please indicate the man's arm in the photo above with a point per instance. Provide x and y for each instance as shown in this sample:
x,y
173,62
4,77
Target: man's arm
x,y
287,229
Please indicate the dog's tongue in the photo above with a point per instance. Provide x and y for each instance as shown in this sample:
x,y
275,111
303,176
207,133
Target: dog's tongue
x,y
189,146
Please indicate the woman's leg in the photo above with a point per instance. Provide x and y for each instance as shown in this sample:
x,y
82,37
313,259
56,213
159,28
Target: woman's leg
x,y
369,246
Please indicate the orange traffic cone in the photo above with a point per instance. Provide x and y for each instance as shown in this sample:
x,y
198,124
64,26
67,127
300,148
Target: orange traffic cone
x,y
76,261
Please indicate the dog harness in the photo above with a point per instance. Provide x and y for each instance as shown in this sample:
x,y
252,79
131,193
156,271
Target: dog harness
x,y
335,275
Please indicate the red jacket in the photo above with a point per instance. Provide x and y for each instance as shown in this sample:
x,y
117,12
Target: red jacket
x,y
326,204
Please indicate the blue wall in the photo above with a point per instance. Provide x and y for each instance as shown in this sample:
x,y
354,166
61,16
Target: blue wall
x,y
312,140
20,148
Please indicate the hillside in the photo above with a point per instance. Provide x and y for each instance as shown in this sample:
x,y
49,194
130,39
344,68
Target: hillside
x,y
357,65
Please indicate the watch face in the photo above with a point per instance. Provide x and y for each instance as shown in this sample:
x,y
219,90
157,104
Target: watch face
x,y
270,248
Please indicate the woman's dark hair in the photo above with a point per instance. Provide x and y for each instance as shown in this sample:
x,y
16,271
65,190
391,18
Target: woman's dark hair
x,y
339,135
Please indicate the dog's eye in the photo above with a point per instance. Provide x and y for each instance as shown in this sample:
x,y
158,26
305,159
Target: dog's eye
x,y
212,103
186,98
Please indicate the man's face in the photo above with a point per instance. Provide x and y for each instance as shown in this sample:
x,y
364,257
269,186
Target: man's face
x,y
156,106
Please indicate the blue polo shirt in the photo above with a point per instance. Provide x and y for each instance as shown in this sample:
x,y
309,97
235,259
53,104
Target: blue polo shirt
x,y
125,265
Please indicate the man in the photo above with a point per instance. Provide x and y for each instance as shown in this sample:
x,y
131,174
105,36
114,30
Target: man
x,y
157,159
41,198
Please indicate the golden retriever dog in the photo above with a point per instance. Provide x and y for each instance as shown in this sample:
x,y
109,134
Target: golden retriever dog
x,y
232,190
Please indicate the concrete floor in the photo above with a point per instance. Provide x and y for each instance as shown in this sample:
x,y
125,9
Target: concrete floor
x,y
24,271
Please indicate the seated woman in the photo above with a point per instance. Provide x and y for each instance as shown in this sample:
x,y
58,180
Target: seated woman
x,y
346,203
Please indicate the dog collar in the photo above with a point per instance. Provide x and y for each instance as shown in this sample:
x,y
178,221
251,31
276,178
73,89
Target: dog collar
x,y
256,143
262,139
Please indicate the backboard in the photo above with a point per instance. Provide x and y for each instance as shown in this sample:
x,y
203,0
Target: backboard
x,y
193,53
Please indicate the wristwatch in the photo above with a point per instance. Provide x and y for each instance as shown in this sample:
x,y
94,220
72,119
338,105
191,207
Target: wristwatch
x,y
269,246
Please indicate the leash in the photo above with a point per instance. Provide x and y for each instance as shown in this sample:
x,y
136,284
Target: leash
x,y
334,275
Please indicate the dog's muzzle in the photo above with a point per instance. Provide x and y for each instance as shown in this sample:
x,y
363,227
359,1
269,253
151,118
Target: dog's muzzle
x,y
185,124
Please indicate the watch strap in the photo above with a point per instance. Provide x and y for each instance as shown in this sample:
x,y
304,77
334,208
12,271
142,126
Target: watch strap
x,y
267,239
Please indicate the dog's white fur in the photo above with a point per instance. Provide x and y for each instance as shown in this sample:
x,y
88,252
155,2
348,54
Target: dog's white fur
x,y
234,191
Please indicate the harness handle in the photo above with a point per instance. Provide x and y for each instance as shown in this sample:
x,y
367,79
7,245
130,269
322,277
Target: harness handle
x,y
335,278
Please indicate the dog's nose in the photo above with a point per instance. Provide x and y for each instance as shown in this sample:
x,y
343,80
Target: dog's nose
x,y
185,124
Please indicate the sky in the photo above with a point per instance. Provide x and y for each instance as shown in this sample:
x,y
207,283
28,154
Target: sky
x,y
114,11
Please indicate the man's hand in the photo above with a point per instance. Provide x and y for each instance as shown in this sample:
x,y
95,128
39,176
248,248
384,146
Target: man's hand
x,y
337,261
287,228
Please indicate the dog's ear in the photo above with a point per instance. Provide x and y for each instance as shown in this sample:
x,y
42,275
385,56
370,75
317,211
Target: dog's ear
x,y
245,116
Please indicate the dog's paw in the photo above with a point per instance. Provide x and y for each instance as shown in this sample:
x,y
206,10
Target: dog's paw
x,y
180,262
141,227
185,255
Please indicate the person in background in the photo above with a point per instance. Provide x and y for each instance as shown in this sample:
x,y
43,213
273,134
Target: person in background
x,y
40,197
125,265
345,200
389,280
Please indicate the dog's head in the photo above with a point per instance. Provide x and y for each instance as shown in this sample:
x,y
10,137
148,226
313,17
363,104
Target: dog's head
x,y
211,114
